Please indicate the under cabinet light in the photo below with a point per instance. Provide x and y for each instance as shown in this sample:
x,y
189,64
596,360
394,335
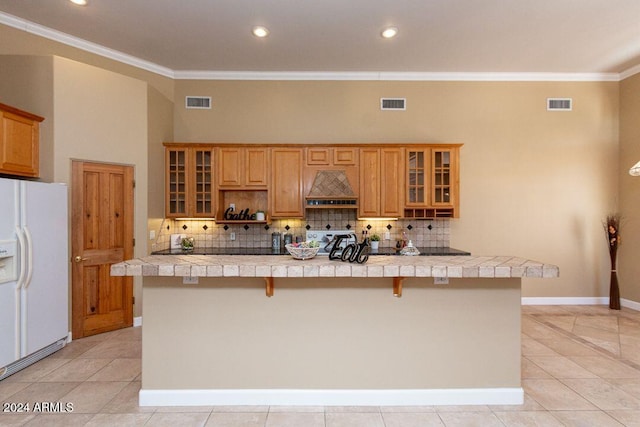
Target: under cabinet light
x,y
378,219
79,2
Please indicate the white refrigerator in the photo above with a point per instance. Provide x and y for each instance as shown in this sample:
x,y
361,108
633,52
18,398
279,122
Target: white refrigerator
x,y
34,276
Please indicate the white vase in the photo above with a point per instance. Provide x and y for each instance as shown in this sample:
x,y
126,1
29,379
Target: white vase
x,y
374,244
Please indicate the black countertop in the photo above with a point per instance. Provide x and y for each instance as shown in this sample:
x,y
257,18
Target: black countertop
x,y
268,251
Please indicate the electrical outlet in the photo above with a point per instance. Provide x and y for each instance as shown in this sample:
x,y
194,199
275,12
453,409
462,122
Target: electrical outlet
x,y
440,280
233,207
152,234
232,236
387,235
190,280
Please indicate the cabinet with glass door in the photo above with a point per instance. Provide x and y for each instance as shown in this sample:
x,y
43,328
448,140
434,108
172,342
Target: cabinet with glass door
x,y
189,183
432,182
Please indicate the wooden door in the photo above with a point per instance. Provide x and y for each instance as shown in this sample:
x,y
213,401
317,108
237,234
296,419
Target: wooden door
x,y
102,234
230,167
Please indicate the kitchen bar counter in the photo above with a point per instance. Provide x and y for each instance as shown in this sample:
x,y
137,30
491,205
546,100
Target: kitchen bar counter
x,y
321,266
333,333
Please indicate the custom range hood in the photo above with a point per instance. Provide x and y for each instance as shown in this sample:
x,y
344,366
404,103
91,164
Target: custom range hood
x,y
331,189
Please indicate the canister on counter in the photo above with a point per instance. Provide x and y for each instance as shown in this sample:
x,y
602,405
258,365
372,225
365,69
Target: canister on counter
x,y
288,239
276,241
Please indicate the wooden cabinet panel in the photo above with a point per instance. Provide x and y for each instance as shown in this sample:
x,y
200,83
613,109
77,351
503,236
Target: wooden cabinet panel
x,y
369,203
286,183
392,182
381,182
19,142
318,156
257,167
189,182
230,167
345,156
242,167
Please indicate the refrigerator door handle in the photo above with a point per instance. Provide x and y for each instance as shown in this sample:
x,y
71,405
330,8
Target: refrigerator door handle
x,y
23,257
29,269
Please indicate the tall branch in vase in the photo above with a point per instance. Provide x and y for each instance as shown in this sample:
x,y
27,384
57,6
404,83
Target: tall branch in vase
x,y
612,227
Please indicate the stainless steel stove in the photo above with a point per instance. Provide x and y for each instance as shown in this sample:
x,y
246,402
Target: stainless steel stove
x,y
326,239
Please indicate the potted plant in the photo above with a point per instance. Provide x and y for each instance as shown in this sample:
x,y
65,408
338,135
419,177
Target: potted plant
x,y
260,216
375,242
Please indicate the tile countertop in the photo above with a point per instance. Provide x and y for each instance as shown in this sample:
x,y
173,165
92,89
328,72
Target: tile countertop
x,y
376,266
268,251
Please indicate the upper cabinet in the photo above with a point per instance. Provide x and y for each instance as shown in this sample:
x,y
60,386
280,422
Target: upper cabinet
x,y
332,156
381,182
286,191
243,167
418,181
433,182
189,186
19,142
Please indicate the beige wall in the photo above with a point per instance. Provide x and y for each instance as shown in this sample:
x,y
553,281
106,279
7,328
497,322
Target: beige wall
x,y
25,83
535,184
102,116
629,251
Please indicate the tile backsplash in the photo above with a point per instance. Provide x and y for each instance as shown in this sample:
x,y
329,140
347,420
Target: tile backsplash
x,y
423,233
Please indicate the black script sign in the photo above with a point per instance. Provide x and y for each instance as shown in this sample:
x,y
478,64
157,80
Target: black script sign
x,y
243,215
353,252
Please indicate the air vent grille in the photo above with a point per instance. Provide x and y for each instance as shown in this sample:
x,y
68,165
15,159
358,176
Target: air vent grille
x,y
559,104
393,104
198,102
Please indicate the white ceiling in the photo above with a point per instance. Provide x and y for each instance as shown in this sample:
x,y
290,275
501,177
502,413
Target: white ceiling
x,y
343,36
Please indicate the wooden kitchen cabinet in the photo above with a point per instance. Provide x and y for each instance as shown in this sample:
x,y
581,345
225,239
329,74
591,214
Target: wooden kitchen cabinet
x,y
286,190
19,142
189,185
432,182
381,182
243,167
332,156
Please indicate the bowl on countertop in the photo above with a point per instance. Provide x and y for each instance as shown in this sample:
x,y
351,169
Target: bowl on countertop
x,y
299,252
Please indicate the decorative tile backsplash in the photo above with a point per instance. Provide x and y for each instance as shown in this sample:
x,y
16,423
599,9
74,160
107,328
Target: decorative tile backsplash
x,y
423,233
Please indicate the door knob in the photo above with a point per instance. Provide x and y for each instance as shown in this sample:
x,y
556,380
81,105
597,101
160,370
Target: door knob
x,y
78,258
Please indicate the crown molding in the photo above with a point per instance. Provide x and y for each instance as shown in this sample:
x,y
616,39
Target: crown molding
x,y
630,72
69,40
58,36
396,76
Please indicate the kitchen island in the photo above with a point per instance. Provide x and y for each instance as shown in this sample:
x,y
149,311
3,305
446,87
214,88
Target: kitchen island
x,y
332,333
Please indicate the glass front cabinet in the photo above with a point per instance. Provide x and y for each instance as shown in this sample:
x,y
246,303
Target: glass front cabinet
x,y
432,182
189,189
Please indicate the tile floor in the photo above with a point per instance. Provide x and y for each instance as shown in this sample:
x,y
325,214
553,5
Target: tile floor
x,y
580,367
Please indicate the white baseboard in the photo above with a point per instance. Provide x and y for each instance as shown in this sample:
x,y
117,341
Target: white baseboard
x,y
137,321
578,301
565,300
283,397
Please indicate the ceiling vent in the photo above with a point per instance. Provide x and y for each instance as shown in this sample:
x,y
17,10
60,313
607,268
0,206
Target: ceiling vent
x,y
393,103
198,102
559,104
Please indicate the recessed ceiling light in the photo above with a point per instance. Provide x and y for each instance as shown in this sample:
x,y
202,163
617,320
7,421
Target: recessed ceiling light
x,y
79,2
389,32
260,31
